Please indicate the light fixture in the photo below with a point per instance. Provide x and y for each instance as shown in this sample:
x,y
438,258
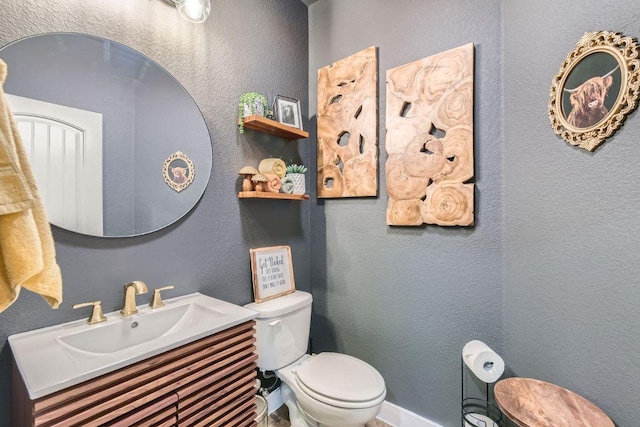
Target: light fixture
x,y
195,11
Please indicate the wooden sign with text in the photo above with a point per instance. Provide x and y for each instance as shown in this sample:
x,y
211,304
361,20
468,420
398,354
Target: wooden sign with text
x,y
271,272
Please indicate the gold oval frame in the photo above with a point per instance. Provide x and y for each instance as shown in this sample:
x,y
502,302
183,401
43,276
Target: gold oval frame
x,y
625,51
168,176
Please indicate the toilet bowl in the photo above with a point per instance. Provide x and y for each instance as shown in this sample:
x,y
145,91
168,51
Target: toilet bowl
x,y
323,390
331,389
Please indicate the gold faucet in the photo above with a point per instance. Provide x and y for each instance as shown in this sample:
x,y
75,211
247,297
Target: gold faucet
x,y
132,289
157,302
97,316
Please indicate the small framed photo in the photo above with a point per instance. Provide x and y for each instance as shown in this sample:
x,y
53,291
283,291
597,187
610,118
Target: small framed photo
x,y
271,272
287,111
178,171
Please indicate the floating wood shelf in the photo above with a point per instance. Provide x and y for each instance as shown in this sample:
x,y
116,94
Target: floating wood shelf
x,y
269,195
262,124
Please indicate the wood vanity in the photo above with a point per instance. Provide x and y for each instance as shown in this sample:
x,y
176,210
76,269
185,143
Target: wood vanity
x,y
206,383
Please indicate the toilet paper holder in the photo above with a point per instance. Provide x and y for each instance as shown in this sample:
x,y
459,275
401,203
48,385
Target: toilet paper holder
x,y
478,412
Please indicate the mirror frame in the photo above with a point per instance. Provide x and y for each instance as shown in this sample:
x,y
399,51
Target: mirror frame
x,y
625,52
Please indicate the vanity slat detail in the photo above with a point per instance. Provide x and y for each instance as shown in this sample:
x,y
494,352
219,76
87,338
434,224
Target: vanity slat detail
x,y
190,412
224,417
120,398
248,421
162,418
196,401
162,410
165,390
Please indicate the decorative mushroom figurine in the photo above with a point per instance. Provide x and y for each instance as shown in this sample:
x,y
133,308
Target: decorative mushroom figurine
x,y
259,181
248,172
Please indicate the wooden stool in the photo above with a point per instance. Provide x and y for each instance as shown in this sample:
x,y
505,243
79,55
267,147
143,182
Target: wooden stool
x,y
534,403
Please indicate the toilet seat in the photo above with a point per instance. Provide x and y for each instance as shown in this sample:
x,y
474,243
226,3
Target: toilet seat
x,y
341,380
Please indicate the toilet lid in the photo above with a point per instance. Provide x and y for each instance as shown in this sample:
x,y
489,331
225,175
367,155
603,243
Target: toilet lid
x,y
334,378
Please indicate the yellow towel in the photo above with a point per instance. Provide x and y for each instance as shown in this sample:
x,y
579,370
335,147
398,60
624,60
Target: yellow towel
x,y
27,253
273,166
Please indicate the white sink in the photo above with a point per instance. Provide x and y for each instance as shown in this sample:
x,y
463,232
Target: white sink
x,y
112,337
60,356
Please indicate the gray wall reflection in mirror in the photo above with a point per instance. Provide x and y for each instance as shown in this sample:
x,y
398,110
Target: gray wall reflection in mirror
x,y
146,116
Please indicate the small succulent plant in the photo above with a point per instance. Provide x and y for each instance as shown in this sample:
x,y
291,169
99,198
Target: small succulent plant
x,y
294,168
250,99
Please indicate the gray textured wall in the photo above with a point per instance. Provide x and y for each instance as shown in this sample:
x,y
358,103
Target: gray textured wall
x,y
549,279
249,45
407,299
572,242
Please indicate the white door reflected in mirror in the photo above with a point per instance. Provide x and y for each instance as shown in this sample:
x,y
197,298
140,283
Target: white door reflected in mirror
x,y
64,146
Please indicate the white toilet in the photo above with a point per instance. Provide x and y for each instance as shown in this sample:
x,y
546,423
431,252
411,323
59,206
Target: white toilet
x,y
323,390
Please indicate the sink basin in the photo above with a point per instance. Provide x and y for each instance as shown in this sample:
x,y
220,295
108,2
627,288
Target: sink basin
x,y
59,356
112,337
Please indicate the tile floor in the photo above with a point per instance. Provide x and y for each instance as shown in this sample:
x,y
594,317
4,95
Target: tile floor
x,y
280,418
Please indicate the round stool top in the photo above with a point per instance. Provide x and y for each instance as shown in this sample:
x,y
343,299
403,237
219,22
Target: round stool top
x,y
535,403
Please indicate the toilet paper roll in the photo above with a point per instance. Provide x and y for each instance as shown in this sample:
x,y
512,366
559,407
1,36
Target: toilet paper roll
x,y
485,363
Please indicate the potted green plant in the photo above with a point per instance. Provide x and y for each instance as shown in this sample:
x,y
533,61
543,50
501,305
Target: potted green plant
x,y
296,173
250,103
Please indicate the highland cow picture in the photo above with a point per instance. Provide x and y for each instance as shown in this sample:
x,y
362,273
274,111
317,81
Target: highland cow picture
x,y
591,90
178,171
595,89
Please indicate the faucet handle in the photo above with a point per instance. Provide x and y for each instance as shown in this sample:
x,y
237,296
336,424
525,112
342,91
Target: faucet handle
x,y
97,316
156,301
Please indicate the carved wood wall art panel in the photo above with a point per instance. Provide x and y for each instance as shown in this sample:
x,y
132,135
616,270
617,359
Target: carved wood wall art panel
x,y
348,127
429,140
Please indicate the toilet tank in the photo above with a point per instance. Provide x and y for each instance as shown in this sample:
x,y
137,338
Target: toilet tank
x,y
282,329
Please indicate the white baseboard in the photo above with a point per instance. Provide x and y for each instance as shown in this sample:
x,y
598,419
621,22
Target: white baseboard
x,y
390,413
399,417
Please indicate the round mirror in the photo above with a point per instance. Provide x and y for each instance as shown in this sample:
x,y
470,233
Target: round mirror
x,y
100,123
